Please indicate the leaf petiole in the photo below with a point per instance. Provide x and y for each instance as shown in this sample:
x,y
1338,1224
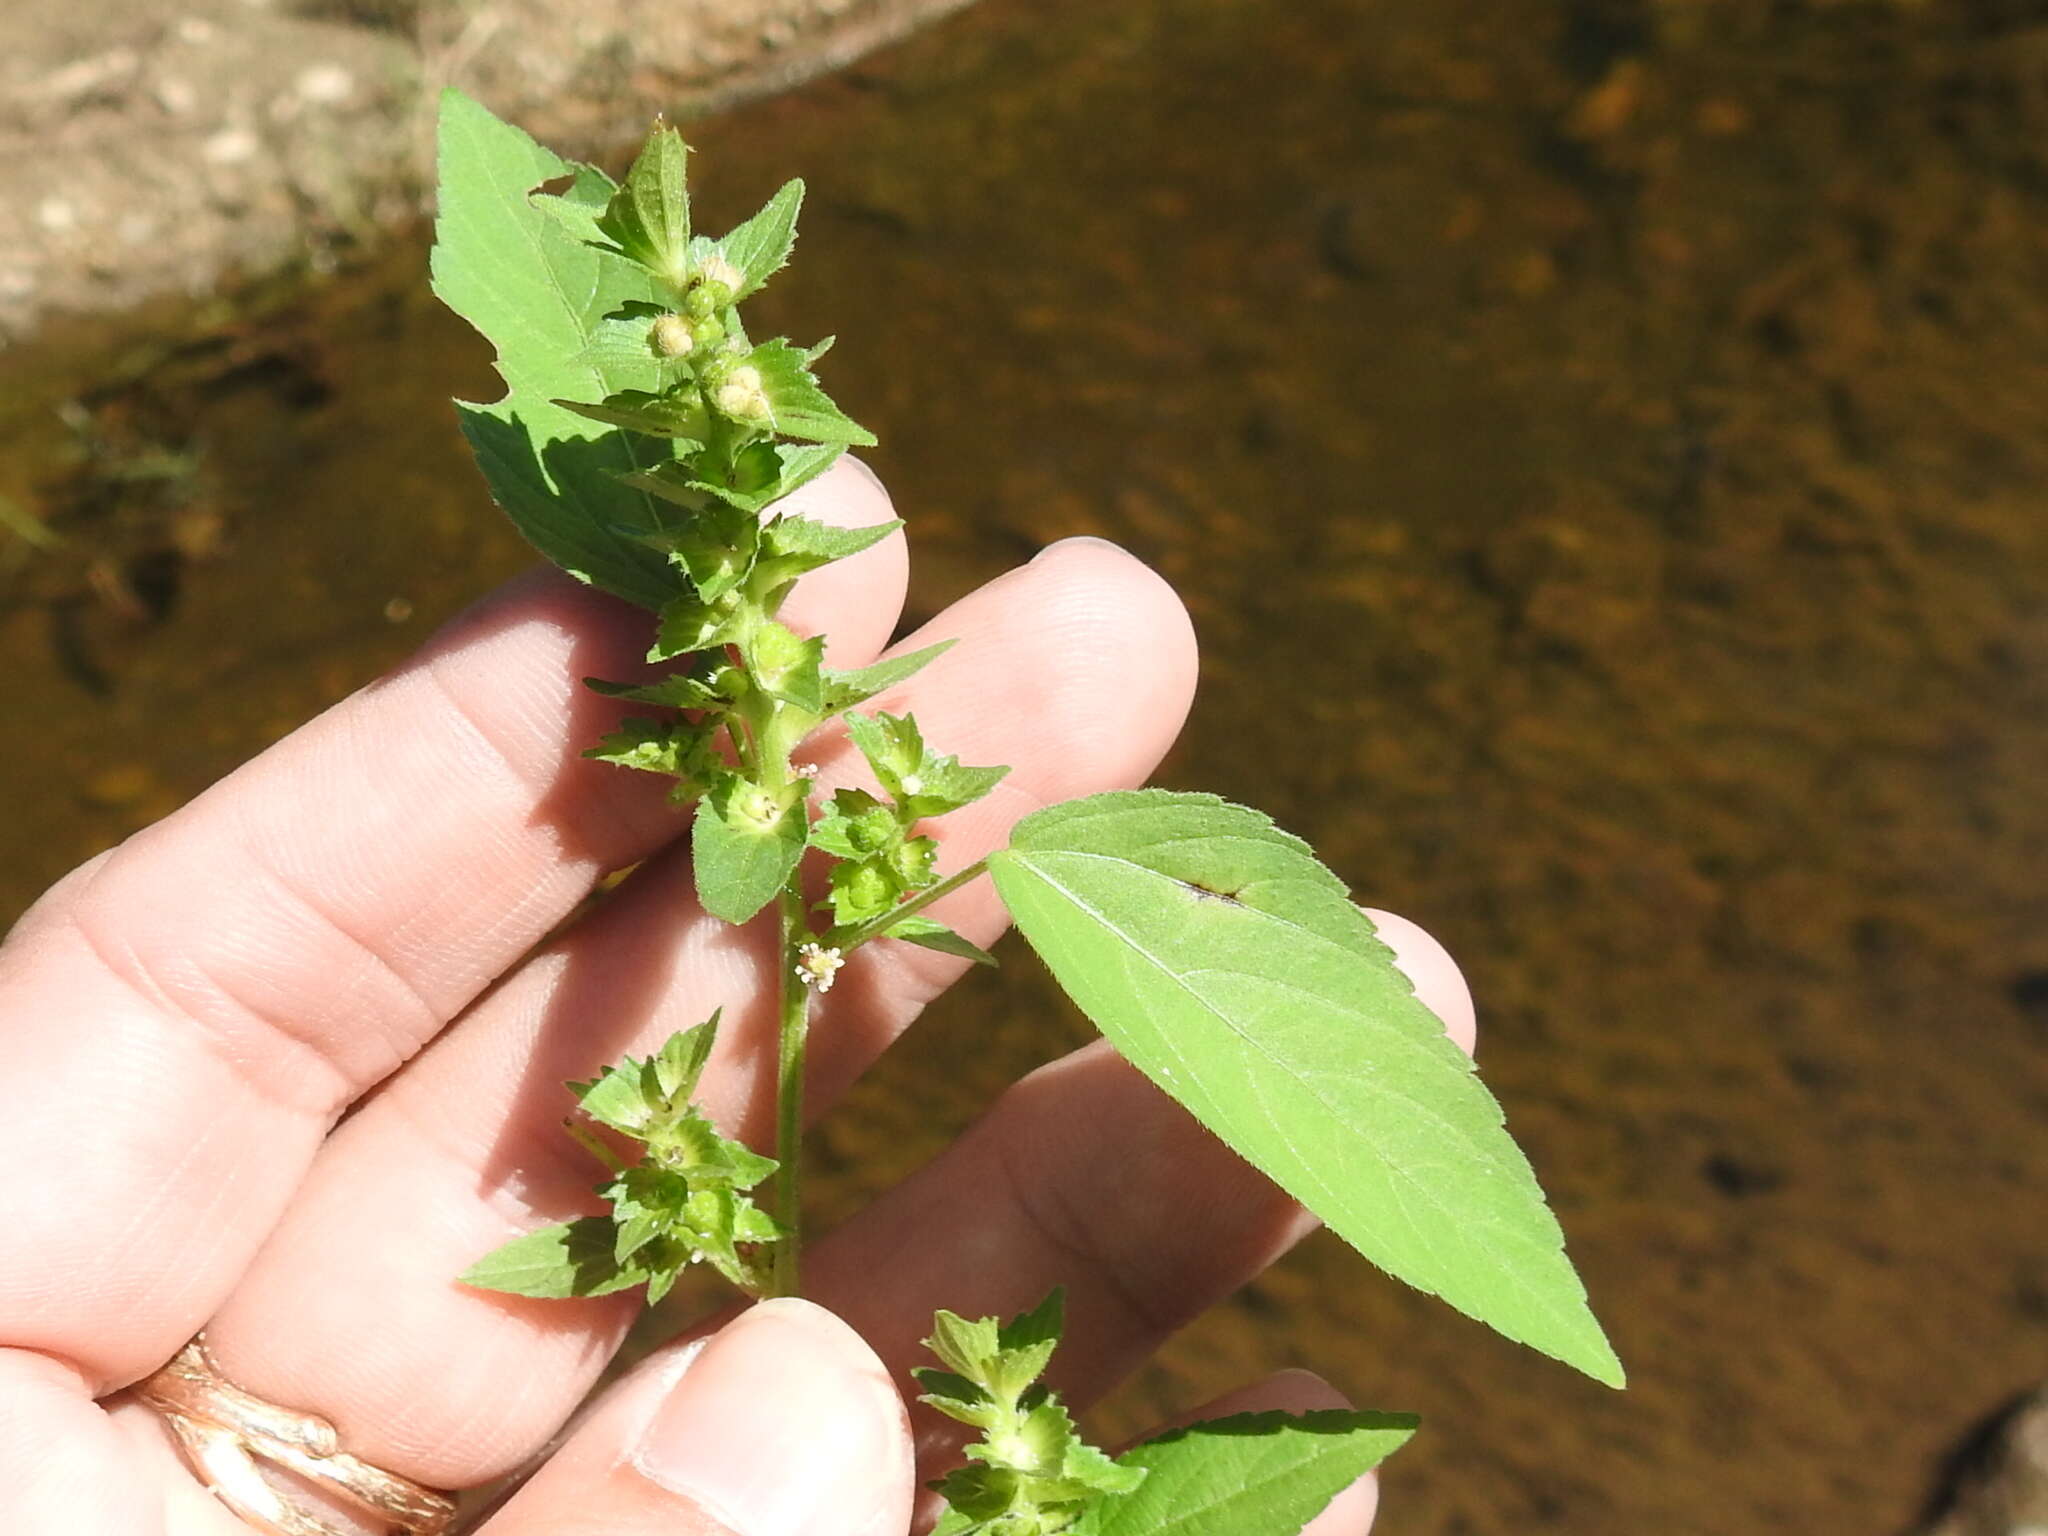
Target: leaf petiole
x,y
595,1145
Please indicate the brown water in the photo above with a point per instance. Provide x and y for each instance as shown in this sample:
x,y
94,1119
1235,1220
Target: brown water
x,y
1605,444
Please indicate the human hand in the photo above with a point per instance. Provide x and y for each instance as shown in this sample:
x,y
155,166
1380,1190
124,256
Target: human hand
x,y
192,1027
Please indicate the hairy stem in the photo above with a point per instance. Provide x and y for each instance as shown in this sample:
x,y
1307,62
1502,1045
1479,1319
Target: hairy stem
x,y
793,999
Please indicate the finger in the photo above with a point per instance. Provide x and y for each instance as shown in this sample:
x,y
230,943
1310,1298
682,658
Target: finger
x,y
185,1015
1082,1175
784,1424
1076,669
63,1466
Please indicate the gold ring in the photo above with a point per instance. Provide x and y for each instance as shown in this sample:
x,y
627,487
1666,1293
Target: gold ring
x,y
225,1433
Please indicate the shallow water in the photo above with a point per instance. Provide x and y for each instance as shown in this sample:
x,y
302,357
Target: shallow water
x,y
1605,455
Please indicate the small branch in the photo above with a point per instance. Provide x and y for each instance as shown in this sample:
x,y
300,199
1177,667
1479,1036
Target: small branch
x,y
879,927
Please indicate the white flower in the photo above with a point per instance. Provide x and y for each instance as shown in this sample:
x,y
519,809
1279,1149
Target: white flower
x,y
817,966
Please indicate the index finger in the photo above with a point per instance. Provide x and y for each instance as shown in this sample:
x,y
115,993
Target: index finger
x,y
182,1019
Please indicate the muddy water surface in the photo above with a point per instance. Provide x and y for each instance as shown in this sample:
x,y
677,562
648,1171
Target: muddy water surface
x,y
1606,452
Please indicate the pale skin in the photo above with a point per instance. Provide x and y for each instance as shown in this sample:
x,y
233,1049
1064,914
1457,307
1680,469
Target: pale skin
x,y
185,1020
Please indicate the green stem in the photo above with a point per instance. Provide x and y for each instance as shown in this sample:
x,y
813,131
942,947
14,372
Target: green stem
x,y
879,927
793,999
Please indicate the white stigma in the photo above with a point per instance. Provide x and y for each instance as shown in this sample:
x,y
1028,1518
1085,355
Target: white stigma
x,y
717,269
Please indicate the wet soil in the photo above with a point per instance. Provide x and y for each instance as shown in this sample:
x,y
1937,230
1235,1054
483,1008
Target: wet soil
x,y
1606,454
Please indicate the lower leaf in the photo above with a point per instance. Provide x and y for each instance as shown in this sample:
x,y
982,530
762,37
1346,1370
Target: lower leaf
x,y
1255,1474
570,1258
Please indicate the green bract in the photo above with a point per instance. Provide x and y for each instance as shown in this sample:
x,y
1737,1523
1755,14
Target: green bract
x,y
1030,1473
647,444
682,1203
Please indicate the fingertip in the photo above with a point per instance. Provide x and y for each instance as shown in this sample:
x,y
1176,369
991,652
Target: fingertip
x,y
783,1423
1295,1390
787,1425
854,603
1123,653
1351,1512
1438,982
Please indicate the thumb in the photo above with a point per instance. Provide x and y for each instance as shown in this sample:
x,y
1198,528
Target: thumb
x,y
783,1424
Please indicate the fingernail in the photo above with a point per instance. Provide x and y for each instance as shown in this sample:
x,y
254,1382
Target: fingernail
x,y
1078,541
786,1425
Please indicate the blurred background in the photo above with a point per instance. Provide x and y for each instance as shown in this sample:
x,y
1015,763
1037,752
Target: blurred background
x,y
1604,444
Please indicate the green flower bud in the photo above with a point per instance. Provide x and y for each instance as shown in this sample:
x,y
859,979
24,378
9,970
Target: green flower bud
x,y
758,806
912,861
707,331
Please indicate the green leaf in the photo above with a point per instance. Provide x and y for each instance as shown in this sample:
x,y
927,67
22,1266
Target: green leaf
x,y
855,824
958,1398
967,1347
930,933
619,1097
787,666
679,416
843,690
571,1258
760,247
818,544
944,783
1038,1329
801,463
648,217
679,690
744,843
799,407
682,485
1233,970
1256,1474
1065,1468
581,204
861,890
921,782
621,347
791,546
674,747
680,1061
717,547
892,744
688,623
512,265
